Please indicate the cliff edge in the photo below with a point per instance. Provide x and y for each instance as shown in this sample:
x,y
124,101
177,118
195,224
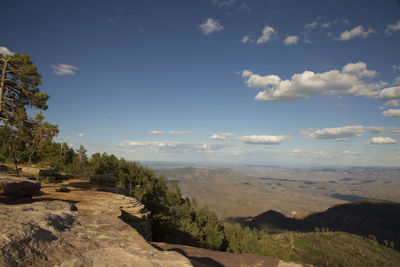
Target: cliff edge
x,y
78,228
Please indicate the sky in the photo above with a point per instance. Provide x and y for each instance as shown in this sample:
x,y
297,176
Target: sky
x,y
278,82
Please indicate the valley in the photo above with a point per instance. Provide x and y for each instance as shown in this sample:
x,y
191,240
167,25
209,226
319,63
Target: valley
x,y
239,193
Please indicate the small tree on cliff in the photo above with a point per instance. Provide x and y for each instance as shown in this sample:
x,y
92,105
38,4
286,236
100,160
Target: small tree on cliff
x,y
19,81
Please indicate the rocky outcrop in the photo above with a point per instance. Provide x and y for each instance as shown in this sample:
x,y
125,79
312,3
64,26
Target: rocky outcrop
x,y
15,187
54,233
93,202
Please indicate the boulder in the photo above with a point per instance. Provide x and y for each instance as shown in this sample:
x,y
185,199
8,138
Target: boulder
x,y
16,187
103,180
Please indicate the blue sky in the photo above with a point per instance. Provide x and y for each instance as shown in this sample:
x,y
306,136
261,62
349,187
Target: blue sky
x,y
290,83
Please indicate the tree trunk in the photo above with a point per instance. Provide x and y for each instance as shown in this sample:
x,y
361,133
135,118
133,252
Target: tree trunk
x,y
15,158
3,78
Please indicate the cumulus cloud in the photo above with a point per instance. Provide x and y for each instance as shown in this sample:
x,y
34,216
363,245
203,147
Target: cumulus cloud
x,y
297,150
174,147
392,28
340,133
390,93
247,73
375,129
348,152
358,69
390,103
381,141
335,82
262,139
210,26
358,31
81,134
179,132
64,69
247,39
5,51
155,132
221,136
290,40
391,113
267,33
311,26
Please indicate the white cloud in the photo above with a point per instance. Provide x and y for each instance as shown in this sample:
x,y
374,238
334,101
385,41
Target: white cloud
x,y
397,81
392,28
210,26
64,69
180,132
81,134
340,133
355,32
390,93
5,51
375,129
267,33
293,39
396,131
348,81
247,39
358,69
390,103
326,25
174,147
155,132
247,73
311,26
297,150
221,136
262,139
257,81
348,152
391,113
381,141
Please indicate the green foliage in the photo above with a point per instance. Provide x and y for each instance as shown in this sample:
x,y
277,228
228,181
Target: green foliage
x,y
316,248
19,81
105,164
175,219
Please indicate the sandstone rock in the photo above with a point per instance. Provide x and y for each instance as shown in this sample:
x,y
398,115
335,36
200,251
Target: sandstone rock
x,y
49,233
103,180
15,187
89,202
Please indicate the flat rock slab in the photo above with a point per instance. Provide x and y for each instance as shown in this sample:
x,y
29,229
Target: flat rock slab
x,y
50,233
15,187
